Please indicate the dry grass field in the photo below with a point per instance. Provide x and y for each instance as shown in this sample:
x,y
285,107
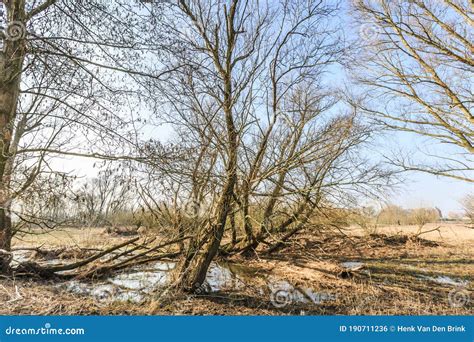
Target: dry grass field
x,y
390,272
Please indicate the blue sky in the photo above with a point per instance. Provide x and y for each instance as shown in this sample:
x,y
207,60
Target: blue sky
x,y
418,189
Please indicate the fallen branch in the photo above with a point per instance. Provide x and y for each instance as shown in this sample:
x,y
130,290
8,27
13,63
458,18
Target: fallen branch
x,y
61,268
131,260
429,231
51,271
283,240
101,271
135,257
143,245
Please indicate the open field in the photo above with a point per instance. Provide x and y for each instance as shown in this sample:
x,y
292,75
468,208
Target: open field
x,y
302,157
390,272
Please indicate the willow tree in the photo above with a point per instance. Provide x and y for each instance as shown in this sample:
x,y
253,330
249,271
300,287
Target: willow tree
x,y
70,74
418,70
261,124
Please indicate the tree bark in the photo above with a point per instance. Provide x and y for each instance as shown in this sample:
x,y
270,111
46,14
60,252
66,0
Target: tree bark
x,y
11,65
200,255
233,228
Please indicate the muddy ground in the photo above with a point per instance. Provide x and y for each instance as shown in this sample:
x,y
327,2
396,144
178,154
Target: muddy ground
x,y
389,272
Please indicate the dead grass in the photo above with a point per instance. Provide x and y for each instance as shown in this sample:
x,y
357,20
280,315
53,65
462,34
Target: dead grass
x,y
450,232
394,279
91,237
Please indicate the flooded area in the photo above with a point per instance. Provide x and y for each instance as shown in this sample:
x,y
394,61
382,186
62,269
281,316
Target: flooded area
x,y
422,274
21,257
135,285
139,283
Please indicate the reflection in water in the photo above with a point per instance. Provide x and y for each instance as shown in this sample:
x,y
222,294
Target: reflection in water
x,y
134,285
352,265
447,280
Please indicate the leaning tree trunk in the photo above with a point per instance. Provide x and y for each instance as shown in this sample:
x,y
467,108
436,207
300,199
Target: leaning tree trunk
x,y
195,273
197,261
11,65
248,229
205,248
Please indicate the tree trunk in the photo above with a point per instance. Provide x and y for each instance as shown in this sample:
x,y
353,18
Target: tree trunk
x,y
197,261
5,239
11,65
194,268
250,238
233,228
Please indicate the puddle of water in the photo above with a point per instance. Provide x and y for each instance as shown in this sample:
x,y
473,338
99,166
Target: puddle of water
x,y
134,285
445,280
139,280
220,277
21,257
129,287
352,265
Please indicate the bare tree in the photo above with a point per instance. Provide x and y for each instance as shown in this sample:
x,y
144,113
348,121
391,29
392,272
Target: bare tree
x,y
65,67
422,216
418,69
311,162
229,46
259,126
100,198
45,206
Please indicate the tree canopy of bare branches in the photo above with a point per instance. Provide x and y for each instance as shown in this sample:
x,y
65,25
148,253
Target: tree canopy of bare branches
x,y
65,68
267,140
418,58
